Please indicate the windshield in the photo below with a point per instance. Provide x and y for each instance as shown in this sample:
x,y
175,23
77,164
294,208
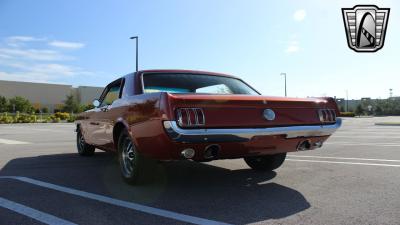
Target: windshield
x,y
195,83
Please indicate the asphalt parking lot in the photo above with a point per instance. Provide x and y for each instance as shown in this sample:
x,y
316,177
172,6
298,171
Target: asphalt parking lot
x,y
353,179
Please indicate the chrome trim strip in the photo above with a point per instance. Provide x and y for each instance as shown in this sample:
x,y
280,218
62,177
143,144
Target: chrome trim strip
x,y
180,120
245,134
188,112
189,122
196,118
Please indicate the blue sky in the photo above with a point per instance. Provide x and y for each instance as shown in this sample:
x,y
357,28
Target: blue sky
x,y
87,43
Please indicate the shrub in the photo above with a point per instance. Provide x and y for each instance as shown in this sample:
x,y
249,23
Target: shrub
x,y
5,118
62,115
83,108
71,119
24,118
347,114
53,119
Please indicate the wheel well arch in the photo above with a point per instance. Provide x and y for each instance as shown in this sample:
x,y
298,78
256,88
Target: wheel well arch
x,y
118,128
78,126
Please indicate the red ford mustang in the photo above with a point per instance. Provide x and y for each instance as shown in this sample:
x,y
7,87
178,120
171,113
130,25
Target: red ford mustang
x,y
202,116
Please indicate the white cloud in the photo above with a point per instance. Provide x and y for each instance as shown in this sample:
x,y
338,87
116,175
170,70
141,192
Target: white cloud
x,y
24,39
18,41
299,15
292,49
22,60
21,76
293,46
68,45
33,54
40,72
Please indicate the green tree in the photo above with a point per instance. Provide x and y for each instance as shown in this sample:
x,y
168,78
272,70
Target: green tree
x,y
378,111
3,104
359,110
45,110
341,109
19,104
71,104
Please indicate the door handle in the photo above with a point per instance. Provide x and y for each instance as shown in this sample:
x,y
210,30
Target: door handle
x,y
94,123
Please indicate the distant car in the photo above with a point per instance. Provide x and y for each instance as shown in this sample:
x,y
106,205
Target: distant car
x,y
202,116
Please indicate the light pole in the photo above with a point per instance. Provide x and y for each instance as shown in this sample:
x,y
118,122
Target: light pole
x,y
284,74
137,51
347,100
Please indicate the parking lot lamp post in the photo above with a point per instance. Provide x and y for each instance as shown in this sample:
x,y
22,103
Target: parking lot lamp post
x,y
347,100
284,74
137,51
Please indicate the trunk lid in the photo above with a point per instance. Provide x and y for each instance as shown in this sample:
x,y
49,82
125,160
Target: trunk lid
x,y
241,111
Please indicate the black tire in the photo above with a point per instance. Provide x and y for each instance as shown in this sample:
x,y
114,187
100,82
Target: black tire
x,y
133,165
265,162
84,149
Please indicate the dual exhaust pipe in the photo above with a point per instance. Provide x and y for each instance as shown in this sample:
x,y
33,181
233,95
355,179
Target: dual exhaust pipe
x,y
307,145
210,152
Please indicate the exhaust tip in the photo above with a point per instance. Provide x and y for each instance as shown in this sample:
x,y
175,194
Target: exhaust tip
x,y
318,144
211,151
304,145
188,153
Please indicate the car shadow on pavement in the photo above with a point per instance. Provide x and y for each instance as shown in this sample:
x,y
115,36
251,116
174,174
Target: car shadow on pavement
x,y
197,189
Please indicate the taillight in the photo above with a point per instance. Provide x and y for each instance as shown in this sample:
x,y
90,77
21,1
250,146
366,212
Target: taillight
x,y
190,117
327,115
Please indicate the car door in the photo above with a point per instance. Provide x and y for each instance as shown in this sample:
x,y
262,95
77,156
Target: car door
x,y
91,125
103,118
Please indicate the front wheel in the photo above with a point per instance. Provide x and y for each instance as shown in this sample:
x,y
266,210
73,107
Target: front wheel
x,y
265,162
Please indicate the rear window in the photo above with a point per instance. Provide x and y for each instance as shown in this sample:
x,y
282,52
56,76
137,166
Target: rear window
x,y
195,83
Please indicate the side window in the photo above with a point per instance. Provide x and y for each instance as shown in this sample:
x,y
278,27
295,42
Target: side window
x,y
112,94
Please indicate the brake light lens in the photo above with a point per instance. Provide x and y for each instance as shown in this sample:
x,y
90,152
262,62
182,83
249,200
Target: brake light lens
x,y
327,115
190,117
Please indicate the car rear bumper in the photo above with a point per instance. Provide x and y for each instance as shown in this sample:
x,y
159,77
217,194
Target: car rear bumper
x,y
246,134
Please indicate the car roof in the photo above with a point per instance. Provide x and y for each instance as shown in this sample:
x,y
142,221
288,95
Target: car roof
x,y
185,71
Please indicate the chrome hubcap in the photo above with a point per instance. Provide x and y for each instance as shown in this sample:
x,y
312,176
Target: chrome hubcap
x,y
81,142
128,155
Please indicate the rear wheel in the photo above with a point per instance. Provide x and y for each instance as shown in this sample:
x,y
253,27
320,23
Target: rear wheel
x,y
84,148
265,162
132,164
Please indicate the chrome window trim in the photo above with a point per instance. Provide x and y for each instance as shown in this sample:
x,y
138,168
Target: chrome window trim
x,y
203,135
144,73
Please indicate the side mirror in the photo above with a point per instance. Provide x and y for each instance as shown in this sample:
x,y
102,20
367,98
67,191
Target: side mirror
x,y
96,103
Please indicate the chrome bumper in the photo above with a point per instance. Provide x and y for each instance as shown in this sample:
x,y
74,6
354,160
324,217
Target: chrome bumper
x,y
245,134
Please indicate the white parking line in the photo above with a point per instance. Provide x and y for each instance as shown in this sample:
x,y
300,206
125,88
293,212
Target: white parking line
x,y
338,162
12,142
33,213
363,144
385,136
117,202
344,158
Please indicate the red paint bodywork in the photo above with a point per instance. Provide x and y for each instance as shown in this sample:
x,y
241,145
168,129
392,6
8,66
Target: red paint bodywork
x,y
143,115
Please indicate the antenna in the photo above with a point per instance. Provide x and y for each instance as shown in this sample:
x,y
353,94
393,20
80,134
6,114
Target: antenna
x,y
137,51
